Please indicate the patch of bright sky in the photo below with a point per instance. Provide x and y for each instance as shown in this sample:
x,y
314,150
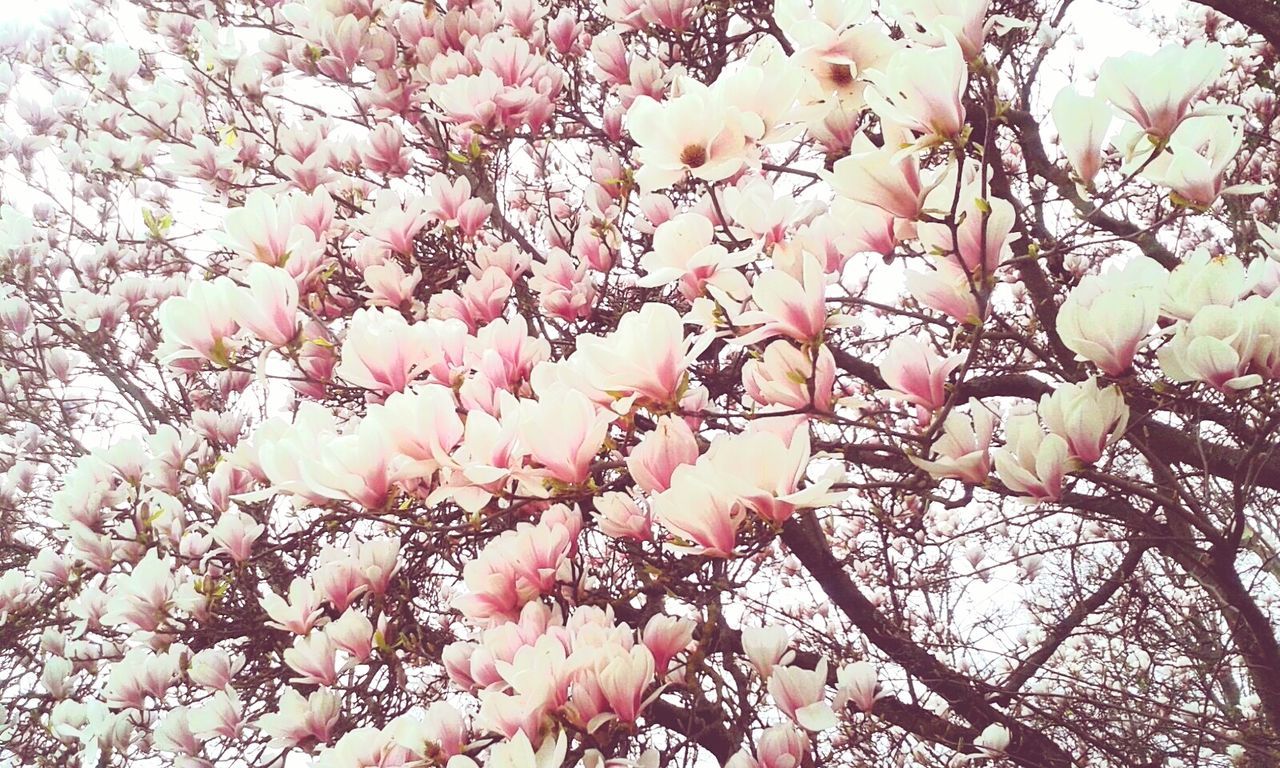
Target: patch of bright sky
x,y
22,11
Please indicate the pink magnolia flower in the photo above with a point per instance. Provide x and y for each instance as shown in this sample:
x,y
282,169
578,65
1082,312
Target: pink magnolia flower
x,y
787,306
1032,463
1082,123
684,251
980,243
1157,90
695,133
1087,417
394,223
762,470
421,423
389,285
623,681
377,561
339,580
1104,319
143,597
353,633
801,695
299,720
564,289
659,453
962,451
516,567
478,301
857,683
299,613
933,22
665,637
222,715
784,375
646,356
1215,347
696,510
200,322
922,89
564,431
382,351
386,153
879,176
277,231
620,517
235,532
1199,153
946,289
444,728
782,746
213,668
314,657
916,374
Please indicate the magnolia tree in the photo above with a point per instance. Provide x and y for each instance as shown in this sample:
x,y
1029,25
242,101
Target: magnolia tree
x,y
529,384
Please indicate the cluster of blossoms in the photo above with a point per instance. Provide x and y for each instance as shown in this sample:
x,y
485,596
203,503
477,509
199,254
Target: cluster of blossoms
x,y
529,384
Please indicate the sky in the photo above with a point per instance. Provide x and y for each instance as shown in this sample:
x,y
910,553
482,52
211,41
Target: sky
x,y
21,10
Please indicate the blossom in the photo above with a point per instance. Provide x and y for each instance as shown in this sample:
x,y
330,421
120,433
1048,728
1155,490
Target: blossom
x,y
646,356
962,450
934,22
1105,319
916,374
1086,416
235,532
222,715
659,453
201,321
784,375
1215,347
946,288
857,683
993,740
620,517
382,351
801,695
695,133
314,657
1157,90
921,89
623,681
1203,280
1197,156
564,431
684,251
763,470
213,668
787,306
767,647
1032,462
1082,123
666,636
299,613
298,720
695,509
879,176
980,240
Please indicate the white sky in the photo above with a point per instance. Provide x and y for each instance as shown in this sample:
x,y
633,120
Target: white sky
x,y
23,10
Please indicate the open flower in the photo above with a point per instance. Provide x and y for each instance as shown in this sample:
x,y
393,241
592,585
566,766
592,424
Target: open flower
x,y
696,133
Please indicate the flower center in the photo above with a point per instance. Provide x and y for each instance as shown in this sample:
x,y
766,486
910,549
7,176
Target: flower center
x,y
840,74
694,155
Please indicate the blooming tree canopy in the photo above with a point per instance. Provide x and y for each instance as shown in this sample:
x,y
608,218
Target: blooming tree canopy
x,y
639,383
